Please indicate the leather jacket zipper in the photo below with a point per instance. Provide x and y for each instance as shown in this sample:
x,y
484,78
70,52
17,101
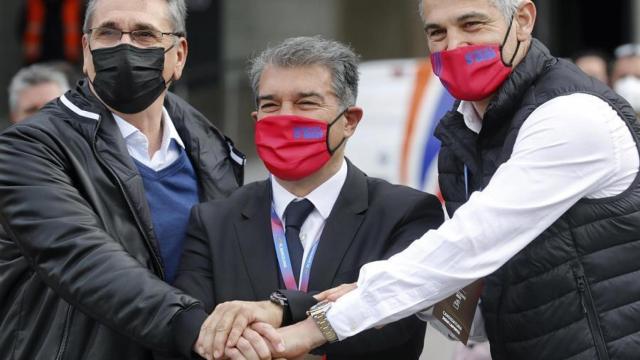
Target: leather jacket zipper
x,y
157,261
65,334
588,308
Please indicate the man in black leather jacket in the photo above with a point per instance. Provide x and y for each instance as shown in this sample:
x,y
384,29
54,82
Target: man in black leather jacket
x,y
84,189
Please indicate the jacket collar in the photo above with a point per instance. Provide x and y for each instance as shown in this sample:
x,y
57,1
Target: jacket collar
x,y
511,93
206,146
508,98
340,229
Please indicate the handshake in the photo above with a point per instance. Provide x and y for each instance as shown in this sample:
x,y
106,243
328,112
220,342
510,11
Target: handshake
x,y
239,330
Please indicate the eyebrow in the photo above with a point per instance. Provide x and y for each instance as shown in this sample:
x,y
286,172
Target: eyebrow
x,y
310,94
472,16
460,19
138,26
300,95
265,97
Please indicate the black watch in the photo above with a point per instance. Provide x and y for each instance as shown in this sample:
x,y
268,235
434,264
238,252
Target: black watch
x,y
280,299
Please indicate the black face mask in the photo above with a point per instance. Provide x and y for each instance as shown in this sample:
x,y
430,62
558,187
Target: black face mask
x,y
128,79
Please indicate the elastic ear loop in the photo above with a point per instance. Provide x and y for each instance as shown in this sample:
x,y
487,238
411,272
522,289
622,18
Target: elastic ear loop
x,y
329,128
510,64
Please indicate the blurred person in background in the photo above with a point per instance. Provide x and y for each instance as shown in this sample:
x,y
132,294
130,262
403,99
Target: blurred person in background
x,y
32,87
625,76
95,194
594,63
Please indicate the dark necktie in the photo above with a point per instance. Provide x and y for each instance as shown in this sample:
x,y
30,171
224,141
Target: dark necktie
x,y
294,216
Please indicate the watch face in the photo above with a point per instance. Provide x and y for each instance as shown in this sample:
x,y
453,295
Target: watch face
x,y
278,298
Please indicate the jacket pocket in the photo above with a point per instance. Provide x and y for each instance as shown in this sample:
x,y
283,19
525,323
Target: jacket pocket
x,y
65,333
589,309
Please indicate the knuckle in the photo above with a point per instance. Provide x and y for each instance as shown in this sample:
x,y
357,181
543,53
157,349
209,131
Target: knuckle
x,y
243,345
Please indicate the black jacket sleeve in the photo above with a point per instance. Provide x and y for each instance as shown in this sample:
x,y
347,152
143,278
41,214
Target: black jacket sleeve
x,y
65,243
299,303
195,274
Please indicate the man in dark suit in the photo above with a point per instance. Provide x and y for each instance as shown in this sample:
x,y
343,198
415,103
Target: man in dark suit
x,y
312,224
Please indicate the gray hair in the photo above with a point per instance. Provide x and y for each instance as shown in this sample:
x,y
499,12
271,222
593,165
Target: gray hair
x,y
34,75
177,15
506,7
340,59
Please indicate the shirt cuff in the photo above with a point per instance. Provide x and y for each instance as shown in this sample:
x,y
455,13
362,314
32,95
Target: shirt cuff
x,y
426,315
349,315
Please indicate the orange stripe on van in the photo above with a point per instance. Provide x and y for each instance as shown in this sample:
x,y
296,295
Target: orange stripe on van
x,y
423,75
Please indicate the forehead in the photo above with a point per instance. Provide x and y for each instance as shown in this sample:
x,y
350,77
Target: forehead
x,y
590,59
439,11
282,81
129,13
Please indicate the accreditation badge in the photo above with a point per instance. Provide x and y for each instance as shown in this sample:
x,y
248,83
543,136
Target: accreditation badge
x,y
455,314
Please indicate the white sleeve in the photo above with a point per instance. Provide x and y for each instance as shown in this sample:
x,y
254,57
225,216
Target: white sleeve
x,y
563,152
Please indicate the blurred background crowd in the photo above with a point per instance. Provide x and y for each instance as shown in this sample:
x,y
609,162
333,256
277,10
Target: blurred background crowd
x,y
602,38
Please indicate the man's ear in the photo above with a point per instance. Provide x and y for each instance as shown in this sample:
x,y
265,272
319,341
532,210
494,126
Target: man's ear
x,y
353,115
525,16
254,116
182,50
86,54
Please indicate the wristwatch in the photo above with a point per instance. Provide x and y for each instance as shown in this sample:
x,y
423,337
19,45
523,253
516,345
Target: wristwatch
x,y
318,313
281,300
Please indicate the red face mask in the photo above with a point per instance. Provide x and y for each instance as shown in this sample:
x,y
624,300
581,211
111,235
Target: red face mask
x,y
293,147
473,72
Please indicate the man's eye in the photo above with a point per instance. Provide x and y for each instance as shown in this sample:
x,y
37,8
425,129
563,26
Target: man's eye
x,y
471,25
106,32
267,106
436,34
145,34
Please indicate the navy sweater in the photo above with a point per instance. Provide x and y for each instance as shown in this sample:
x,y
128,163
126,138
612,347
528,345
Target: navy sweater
x,y
170,192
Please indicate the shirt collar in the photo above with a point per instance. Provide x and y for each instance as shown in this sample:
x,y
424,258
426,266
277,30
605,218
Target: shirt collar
x,y
323,197
470,115
169,131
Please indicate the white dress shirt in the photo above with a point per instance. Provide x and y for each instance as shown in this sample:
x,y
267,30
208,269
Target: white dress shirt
x,y
571,147
138,144
323,198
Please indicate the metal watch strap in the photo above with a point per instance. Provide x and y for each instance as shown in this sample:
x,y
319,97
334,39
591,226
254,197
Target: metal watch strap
x,y
318,313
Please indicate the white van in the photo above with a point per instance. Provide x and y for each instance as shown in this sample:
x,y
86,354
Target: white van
x,y
402,101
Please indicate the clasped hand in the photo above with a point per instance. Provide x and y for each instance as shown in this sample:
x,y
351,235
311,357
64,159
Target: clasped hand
x,y
241,330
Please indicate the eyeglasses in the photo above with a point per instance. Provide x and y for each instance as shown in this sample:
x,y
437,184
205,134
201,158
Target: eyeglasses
x,y
106,37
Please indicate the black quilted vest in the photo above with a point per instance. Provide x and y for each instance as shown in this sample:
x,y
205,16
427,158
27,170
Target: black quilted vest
x,y
574,292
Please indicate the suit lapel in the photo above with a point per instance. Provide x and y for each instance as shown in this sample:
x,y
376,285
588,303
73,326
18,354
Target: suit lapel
x,y
256,243
340,229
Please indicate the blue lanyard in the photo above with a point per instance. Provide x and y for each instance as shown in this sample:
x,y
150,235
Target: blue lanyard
x,y
284,260
466,181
